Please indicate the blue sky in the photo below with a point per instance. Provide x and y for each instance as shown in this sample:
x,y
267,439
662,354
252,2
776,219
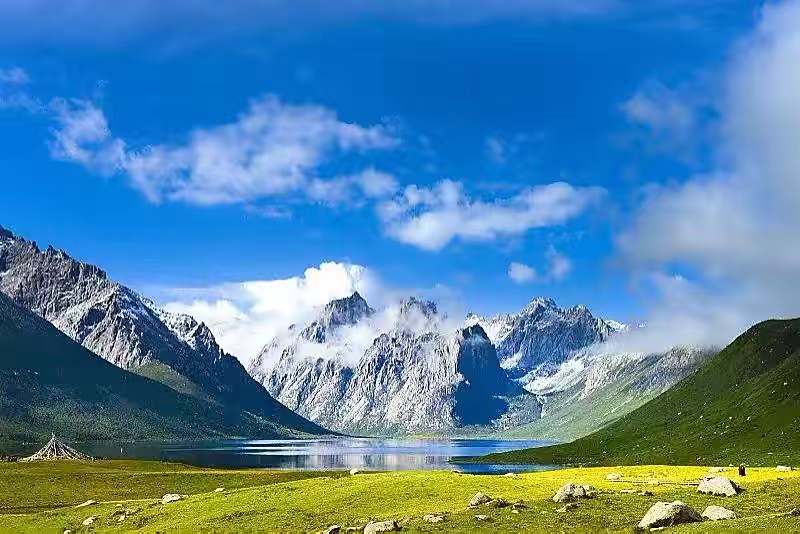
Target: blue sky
x,y
480,153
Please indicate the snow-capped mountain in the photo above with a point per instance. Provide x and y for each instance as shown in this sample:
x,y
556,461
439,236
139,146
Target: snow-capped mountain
x,y
130,331
537,340
403,369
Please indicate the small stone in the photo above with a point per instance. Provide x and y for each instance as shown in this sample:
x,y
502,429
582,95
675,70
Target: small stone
x,y
355,471
118,505
457,472
613,476
718,513
510,475
716,469
219,490
514,511
89,520
479,499
571,492
519,505
646,493
664,514
87,503
567,507
720,486
783,469
122,518
433,518
68,531
171,497
480,517
333,529
795,512
381,526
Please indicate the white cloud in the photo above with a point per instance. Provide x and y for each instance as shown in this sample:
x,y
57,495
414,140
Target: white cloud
x,y
559,265
736,232
521,273
431,218
14,76
660,109
273,149
244,316
496,150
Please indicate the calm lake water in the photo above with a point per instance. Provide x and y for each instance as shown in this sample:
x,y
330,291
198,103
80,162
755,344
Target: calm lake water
x,y
330,453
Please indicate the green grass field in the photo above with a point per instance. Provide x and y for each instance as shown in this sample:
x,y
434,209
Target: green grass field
x,y
286,501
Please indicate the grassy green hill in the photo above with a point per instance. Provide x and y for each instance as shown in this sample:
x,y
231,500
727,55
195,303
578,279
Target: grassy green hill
x,y
49,383
741,406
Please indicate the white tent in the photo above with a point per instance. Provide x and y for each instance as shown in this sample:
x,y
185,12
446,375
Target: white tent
x,y
56,450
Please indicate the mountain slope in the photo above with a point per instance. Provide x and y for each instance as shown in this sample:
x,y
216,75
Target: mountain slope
x,y
49,383
743,405
401,370
131,332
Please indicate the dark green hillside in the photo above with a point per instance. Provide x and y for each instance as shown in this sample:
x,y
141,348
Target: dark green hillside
x,y
741,406
50,383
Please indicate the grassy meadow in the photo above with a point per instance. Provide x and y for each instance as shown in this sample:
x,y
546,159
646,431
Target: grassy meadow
x,y
42,497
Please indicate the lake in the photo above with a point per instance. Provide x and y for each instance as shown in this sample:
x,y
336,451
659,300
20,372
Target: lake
x,y
385,454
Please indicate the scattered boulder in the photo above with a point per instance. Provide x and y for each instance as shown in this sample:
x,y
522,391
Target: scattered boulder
x,y
355,471
480,517
783,469
171,497
665,514
613,476
795,512
479,499
381,526
333,529
718,513
719,486
571,492
89,520
498,503
519,505
87,503
567,507
433,518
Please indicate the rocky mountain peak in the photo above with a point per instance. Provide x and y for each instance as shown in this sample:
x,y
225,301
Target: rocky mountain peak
x,y
539,304
5,233
427,308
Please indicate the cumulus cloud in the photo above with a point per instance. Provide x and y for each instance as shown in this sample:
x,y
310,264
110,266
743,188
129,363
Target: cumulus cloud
x,y
734,233
431,218
244,316
520,273
273,149
559,265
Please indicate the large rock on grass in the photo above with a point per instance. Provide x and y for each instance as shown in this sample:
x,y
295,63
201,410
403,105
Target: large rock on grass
x,y
666,514
479,499
718,513
719,486
381,526
571,492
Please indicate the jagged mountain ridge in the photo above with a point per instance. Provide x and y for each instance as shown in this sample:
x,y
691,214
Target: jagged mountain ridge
x,y
538,339
130,331
400,379
414,373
